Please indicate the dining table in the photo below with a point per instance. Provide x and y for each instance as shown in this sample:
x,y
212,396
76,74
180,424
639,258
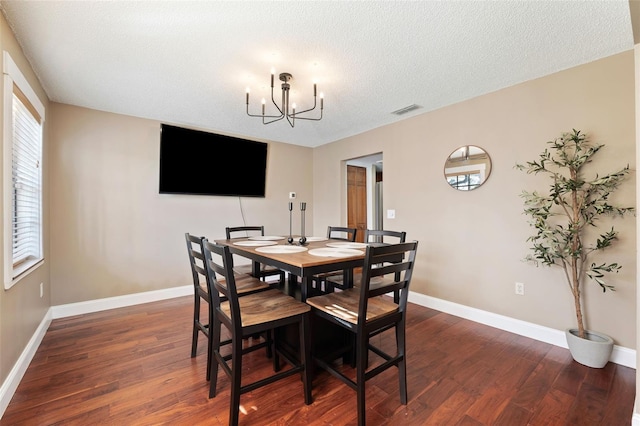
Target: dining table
x,y
316,256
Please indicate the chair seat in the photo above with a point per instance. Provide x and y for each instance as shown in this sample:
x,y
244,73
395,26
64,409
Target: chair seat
x,y
344,304
247,269
245,283
376,282
270,305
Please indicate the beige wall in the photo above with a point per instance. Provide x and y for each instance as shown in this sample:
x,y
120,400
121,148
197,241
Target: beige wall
x,y
114,234
472,243
21,308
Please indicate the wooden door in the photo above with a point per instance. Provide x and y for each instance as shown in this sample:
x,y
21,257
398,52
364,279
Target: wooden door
x,y
357,200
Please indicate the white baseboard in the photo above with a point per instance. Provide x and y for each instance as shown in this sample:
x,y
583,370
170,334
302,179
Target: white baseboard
x,y
635,419
621,355
79,308
12,381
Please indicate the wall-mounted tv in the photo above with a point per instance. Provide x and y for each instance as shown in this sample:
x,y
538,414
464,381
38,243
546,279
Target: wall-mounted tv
x,y
203,163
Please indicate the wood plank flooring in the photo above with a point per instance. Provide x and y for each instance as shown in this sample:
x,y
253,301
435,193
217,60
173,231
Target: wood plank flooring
x,y
132,366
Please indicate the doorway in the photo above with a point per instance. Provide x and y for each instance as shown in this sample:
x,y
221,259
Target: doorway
x,y
364,193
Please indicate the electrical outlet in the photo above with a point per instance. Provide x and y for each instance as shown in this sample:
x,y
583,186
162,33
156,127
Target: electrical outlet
x,y
292,195
41,289
520,289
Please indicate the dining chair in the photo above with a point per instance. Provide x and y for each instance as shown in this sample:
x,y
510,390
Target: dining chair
x,y
334,233
373,236
245,283
265,271
245,316
365,313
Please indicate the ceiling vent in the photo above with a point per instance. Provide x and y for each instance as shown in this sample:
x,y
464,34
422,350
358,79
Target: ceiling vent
x,y
406,109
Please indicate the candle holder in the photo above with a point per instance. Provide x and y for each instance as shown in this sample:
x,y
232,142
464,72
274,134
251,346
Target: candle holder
x,y
303,239
290,239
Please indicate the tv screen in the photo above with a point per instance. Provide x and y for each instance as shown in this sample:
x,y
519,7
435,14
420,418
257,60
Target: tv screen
x,y
202,163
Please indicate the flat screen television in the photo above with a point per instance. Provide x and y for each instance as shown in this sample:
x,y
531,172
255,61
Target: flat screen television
x,y
203,163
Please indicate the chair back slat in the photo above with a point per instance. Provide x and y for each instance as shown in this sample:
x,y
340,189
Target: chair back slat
x,y
378,236
253,230
389,268
341,233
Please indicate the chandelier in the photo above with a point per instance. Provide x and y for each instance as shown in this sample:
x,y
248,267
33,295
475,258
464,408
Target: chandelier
x,y
285,109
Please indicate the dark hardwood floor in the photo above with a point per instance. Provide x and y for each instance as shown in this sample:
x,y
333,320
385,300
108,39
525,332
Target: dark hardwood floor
x,y
131,366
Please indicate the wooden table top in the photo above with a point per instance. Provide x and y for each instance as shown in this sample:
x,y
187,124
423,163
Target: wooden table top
x,y
299,259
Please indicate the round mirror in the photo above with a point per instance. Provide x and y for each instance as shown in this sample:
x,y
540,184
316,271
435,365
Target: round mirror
x,y
467,168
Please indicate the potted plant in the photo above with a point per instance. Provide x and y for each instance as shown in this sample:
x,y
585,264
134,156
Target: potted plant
x,y
561,218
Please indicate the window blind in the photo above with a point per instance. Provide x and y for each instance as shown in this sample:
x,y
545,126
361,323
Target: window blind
x,y
27,182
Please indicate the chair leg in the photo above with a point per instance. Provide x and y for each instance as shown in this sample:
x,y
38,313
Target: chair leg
x,y
236,376
402,366
272,346
196,319
328,287
305,358
269,339
215,352
361,367
213,337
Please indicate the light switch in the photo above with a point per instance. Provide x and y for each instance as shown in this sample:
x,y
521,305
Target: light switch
x,y
391,214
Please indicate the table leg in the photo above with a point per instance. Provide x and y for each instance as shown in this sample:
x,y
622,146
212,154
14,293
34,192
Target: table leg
x,y
347,277
255,269
305,285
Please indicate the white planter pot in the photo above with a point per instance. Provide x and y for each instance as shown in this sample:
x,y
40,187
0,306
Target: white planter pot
x,y
593,351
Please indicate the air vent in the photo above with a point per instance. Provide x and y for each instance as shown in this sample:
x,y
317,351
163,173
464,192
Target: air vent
x,y
406,109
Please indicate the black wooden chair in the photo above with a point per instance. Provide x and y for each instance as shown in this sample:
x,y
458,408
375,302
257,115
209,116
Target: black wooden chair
x,y
246,284
365,312
374,237
334,233
246,316
264,270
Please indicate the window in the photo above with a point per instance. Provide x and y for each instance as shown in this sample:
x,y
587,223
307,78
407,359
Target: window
x,y
23,120
466,181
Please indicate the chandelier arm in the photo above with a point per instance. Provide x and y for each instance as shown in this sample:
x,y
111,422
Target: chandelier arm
x,y
306,110
260,115
275,104
291,123
310,118
272,121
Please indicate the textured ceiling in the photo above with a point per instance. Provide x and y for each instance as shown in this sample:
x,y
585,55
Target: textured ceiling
x,y
188,63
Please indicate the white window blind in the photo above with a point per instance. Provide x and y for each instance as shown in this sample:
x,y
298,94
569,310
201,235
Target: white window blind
x,y
27,184
23,122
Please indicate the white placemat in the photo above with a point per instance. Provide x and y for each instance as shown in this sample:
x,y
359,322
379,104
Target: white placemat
x,y
347,245
281,249
250,243
335,252
266,238
312,239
